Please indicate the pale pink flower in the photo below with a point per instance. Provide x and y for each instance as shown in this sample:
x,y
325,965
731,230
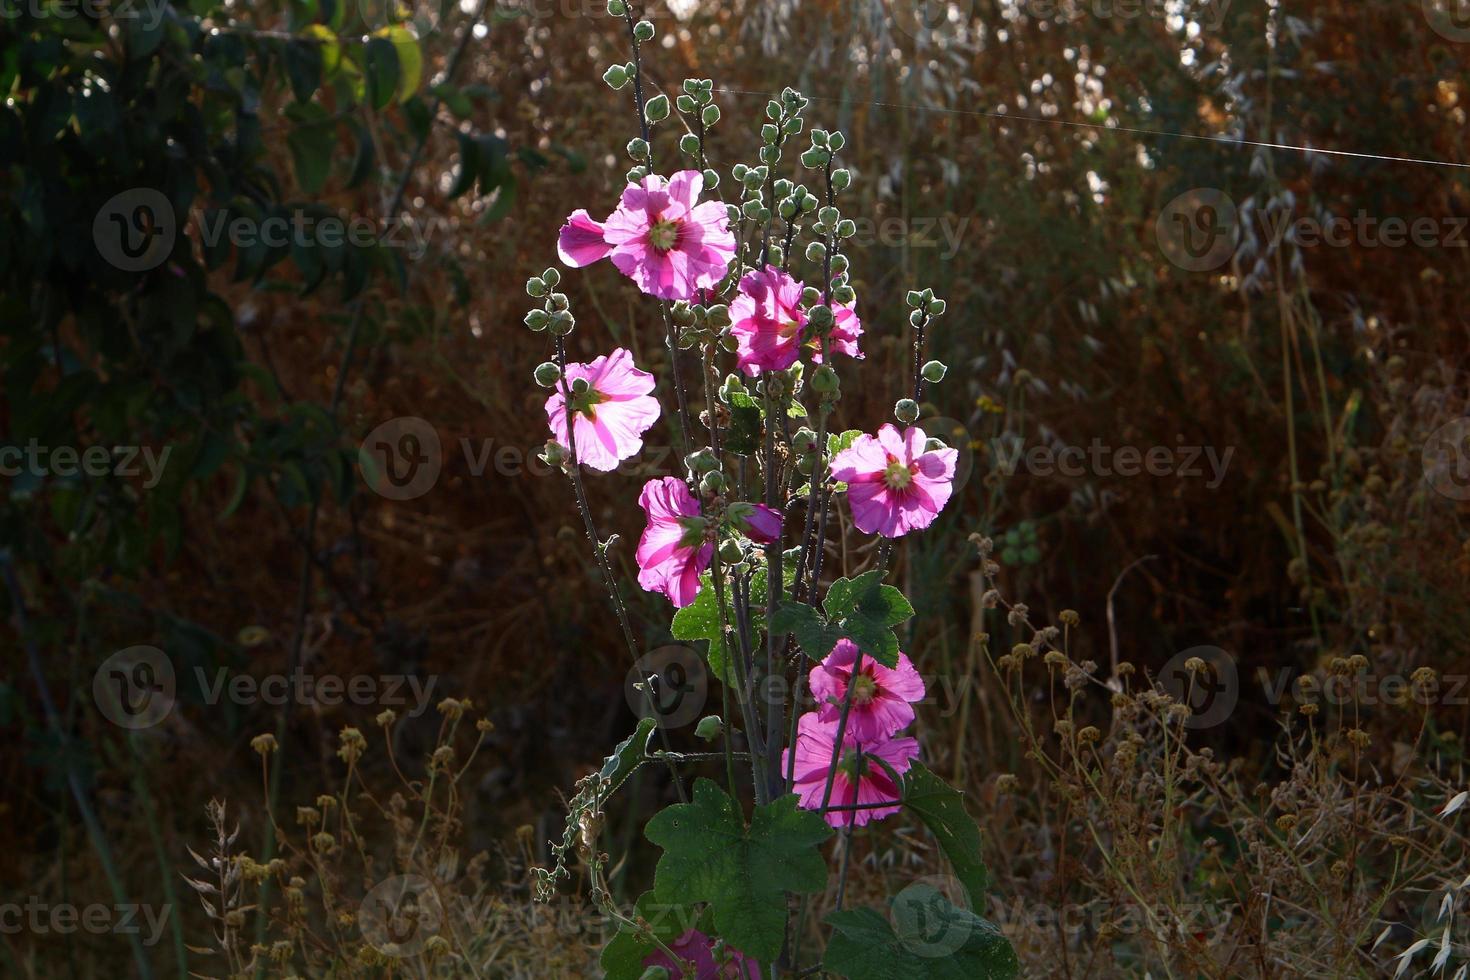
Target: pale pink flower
x,y
660,236
697,948
882,698
860,779
675,547
611,415
767,321
893,485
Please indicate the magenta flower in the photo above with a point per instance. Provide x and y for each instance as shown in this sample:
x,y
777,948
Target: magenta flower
x,y
767,321
612,413
893,485
660,236
757,522
697,948
882,698
676,546
860,779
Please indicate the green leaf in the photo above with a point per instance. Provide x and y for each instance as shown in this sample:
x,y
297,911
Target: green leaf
x,y
934,940
816,637
380,65
362,164
303,67
744,873
743,437
312,141
410,59
331,52
700,620
629,754
867,610
469,165
622,958
837,443
942,809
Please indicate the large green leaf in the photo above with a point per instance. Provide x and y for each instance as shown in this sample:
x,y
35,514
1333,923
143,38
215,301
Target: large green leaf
x,y
933,940
744,873
942,809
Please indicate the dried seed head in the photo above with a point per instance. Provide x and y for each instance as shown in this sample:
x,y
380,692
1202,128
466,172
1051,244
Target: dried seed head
x,y
263,744
1069,617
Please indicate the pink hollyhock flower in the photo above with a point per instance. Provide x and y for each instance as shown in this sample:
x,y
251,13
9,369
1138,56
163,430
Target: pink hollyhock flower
x,y
675,547
859,780
660,236
843,338
893,485
767,321
882,697
757,522
697,948
611,414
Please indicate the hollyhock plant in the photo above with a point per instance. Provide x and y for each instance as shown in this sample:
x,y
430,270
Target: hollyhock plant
x,y
660,236
883,698
612,406
675,547
895,485
697,948
859,780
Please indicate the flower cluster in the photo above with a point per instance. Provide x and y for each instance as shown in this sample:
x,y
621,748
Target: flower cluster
x,y
865,705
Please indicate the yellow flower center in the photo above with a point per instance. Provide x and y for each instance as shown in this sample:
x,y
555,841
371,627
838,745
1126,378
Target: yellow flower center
x,y
864,689
898,475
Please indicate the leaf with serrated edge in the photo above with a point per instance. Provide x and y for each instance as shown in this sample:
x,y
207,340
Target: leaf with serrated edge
x,y
744,873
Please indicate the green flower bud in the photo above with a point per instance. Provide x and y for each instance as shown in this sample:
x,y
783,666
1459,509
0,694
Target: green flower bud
x,y
824,380
711,180
535,286
819,137
839,264
554,454
811,295
718,315
712,482
752,209
769,132
815,252
932,445
916,318
936,307
643,30
820,317
617,8
934,371
739,171
638,148
685,103
689,143
616,77
562,323
770,154
580,386
836,141
733,212
559,301
551,277
773,110
547,374
537,320
702,461
829,215
906,411
844,295
635,174
846,228
710,115
792,126
805,465
803,440
814,159
711,727
657,109
841,180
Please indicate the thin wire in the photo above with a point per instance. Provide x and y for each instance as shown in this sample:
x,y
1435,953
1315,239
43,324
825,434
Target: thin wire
x,y
1233,141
